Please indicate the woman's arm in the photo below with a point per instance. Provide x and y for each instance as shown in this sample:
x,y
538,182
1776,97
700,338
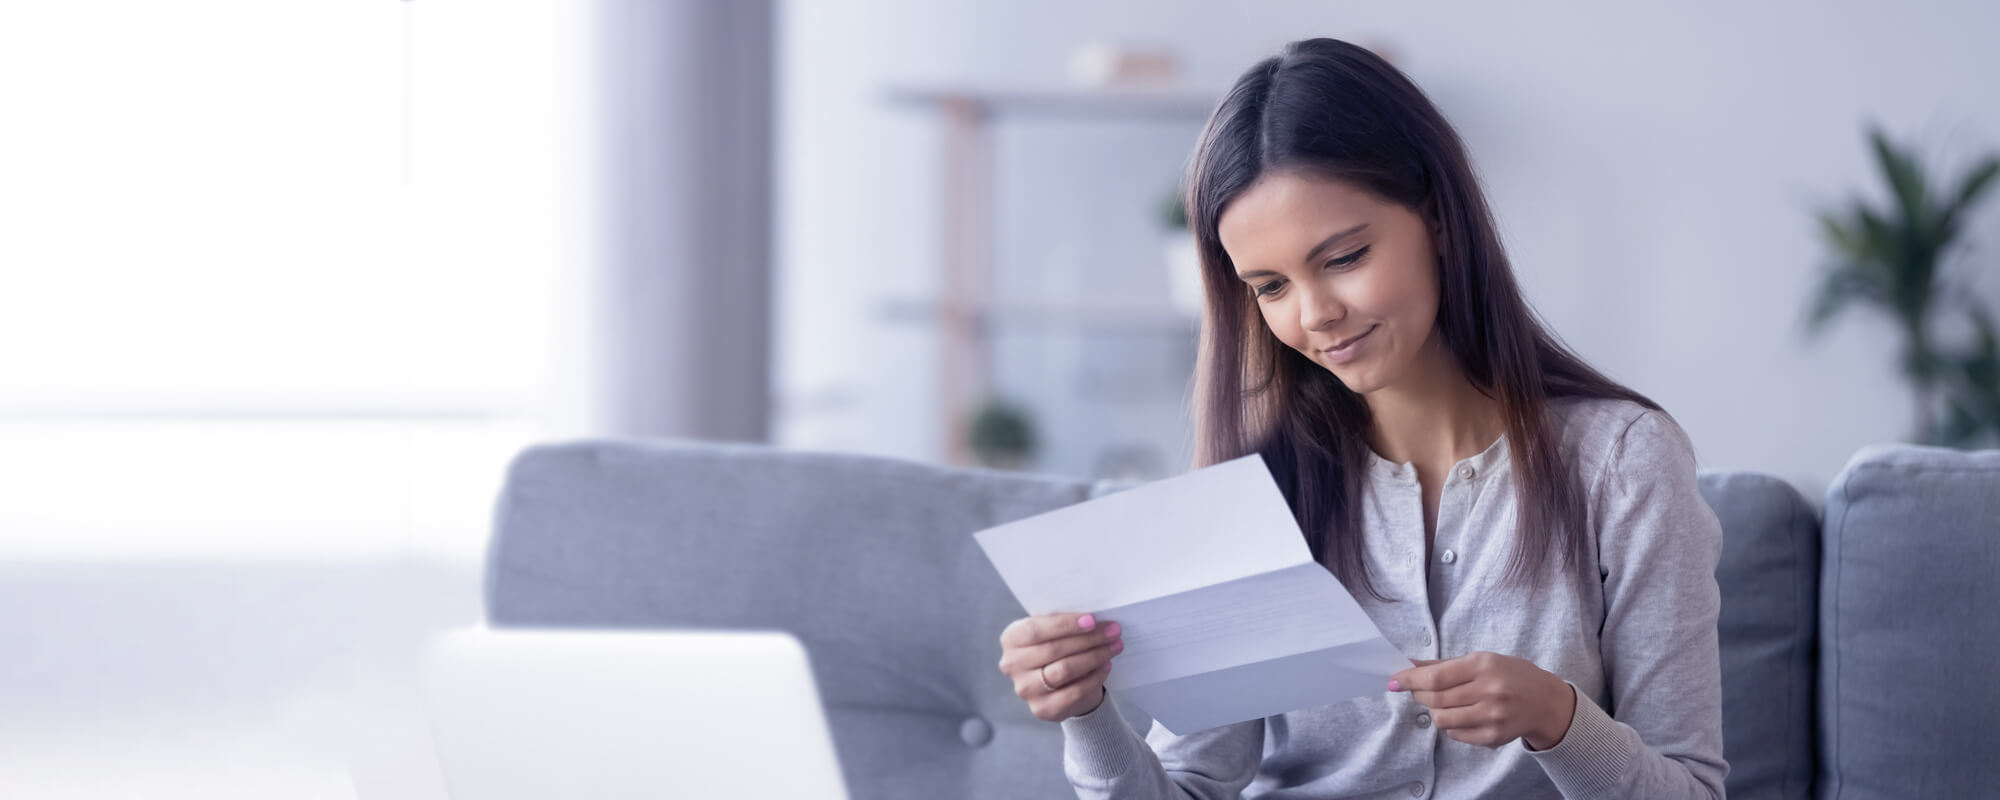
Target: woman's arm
x,y
1658,544
1105,759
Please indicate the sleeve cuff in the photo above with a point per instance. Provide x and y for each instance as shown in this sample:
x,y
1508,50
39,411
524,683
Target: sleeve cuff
x,y
1593,757
1100,743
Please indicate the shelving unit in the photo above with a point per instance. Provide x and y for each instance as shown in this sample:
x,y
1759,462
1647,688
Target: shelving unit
x,y
1049,315
964,312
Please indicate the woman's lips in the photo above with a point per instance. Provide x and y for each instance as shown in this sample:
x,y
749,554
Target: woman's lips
x,y
1351,350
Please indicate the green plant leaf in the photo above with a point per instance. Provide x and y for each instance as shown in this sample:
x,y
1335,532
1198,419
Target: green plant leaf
x,y
1841,287
1906,178
1886,256
1977,181
1982,366
1972,384
1971,188
1958,427
1846,237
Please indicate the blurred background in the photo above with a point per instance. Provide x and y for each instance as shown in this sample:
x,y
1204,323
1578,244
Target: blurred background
x,y
284,285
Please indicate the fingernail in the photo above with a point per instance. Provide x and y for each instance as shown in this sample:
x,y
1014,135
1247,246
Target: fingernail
x,y
1117,647
1394,686
1111,630
1086,622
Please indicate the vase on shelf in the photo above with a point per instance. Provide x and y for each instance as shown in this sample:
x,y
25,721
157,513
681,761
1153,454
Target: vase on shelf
x,y
1183,264
1180,254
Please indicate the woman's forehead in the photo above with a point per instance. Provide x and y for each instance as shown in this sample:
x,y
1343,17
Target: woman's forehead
x,y
1282,216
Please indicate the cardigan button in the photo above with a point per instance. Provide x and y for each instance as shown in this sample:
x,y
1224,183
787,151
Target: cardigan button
x,y
975,732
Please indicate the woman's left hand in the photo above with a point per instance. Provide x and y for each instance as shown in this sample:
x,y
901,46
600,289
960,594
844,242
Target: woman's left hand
x,y
1489,699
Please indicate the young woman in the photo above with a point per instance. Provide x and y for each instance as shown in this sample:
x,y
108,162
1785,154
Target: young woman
x,y
1526,530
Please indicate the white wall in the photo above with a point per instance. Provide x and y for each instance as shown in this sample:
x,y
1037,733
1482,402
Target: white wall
x,y
1654,170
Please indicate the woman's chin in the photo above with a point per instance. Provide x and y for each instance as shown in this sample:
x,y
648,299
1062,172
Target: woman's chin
x,y
1358,381
1361,377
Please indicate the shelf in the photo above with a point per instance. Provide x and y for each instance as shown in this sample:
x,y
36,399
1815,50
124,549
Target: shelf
x,y
965,317
1178,103
1149,319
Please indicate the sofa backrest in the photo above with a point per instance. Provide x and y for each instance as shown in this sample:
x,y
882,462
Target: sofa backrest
x,y
1769,577
1910,626
869,561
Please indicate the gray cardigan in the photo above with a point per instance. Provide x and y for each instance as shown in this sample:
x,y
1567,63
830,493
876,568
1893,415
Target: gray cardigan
x,y
1633,631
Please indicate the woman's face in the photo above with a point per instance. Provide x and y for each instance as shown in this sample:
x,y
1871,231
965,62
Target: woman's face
x,y
1329,263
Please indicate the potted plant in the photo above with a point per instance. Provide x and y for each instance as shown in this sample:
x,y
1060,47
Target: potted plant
x,y
1892,258
1002,435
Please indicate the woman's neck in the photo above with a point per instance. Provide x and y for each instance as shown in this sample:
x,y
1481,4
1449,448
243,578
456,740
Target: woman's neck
x,y
1434,416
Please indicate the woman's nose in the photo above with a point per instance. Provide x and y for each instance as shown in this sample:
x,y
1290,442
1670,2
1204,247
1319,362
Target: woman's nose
x,y
1318,308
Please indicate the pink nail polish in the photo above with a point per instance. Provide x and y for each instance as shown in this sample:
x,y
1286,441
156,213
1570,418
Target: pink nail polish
x,y
1086,622
1394,686
1117,647
1111,629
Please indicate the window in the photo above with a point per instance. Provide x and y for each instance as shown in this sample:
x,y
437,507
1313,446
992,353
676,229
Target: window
x,y
277,279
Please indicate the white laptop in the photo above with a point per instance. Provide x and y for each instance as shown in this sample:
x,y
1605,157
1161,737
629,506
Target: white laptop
x,y
533,714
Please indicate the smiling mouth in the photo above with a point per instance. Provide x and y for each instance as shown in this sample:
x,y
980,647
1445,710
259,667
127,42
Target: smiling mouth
x,y
1350,341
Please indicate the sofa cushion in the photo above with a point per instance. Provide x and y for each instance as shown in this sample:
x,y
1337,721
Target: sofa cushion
x,y
1910,625
1769,577
869,561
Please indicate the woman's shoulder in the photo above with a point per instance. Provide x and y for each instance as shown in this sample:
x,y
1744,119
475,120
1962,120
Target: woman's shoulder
x,y
1601,433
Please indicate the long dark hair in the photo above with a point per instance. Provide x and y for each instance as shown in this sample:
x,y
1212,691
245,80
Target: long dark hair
x,y
1335,110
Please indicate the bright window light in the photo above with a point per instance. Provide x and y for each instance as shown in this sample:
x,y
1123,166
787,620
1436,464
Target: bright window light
x,y
263,264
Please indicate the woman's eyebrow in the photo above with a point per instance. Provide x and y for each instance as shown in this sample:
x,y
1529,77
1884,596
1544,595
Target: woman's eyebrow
x,y
1314,253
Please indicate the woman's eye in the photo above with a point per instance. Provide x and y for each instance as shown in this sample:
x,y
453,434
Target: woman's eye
x,y
1349,259
1344,261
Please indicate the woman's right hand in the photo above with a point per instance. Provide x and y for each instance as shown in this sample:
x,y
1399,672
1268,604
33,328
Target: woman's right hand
x,y
1058,662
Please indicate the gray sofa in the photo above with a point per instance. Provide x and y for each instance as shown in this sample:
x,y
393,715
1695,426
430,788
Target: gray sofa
x,y
1859,646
